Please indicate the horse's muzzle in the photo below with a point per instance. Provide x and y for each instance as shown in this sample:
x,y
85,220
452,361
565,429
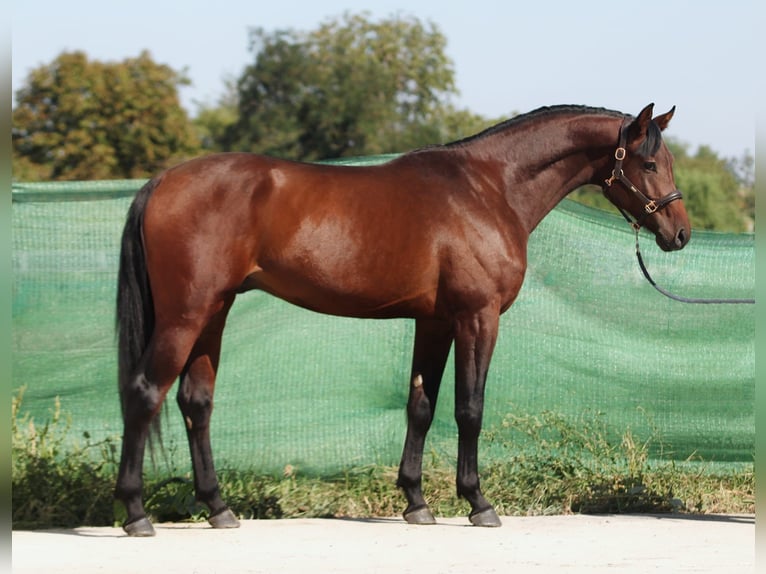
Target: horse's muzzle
x,y
674,243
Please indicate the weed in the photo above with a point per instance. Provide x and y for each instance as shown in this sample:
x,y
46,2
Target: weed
x,y
55,483
551,465
557,465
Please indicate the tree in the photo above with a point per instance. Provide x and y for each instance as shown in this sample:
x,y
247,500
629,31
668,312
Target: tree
x,y
213,120
712,192
351,87
211,123
744,170
81,119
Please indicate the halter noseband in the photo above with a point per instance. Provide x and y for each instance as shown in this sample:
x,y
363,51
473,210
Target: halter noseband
x,y
650,205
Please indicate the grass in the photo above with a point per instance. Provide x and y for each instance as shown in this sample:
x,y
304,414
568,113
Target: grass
x,y
56,485
554,465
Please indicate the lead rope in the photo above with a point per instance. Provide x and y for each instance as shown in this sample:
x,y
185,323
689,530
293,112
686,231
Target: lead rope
x,y
678,297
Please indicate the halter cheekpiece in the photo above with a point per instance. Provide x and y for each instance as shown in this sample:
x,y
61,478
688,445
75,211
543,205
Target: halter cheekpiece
x,y
650,205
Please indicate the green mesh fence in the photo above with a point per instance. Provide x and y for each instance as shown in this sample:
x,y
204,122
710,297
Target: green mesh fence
x,y
586,335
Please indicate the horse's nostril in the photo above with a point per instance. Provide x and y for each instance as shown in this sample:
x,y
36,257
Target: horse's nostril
x,y
681,237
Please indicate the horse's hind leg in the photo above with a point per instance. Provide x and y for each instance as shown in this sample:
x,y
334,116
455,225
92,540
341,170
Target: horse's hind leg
x,y
432,344
142,398
195,399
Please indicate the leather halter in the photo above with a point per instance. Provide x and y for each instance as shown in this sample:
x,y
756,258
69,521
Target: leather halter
x,y
650,205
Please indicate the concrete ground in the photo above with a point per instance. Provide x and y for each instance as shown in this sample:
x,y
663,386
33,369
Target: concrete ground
x,y
561,544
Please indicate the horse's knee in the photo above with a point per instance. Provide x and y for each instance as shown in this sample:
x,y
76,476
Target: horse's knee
x,y
420,409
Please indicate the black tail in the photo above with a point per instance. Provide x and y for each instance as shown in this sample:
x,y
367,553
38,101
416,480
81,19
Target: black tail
x,y
135,309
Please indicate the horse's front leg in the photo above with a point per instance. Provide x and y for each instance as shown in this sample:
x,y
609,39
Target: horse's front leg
x,y
475,337
433,340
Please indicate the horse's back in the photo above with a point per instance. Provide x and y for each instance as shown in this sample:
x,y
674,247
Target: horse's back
x,y
360,241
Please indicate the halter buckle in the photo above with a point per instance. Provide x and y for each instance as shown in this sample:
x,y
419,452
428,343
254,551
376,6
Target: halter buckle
x,y
650,205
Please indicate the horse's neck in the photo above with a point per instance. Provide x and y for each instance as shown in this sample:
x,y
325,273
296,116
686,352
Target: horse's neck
x,y
546,160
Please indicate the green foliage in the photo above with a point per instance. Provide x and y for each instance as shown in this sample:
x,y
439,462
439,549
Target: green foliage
x,y
212,122
553,465
566,465
350,87
715,197
82,119
56,482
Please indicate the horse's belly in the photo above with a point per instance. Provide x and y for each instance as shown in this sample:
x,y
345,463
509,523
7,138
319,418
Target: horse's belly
x,y
349,296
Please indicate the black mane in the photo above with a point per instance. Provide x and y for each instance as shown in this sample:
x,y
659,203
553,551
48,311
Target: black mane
x,y
541,113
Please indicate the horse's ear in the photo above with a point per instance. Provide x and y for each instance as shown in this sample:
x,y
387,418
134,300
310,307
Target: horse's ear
x,y
663,120
637,130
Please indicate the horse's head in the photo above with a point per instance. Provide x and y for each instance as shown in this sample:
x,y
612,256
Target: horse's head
x,y
641,184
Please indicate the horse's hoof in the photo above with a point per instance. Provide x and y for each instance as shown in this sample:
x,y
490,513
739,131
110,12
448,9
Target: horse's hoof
x,y
224,519
487,518
139,528
420,515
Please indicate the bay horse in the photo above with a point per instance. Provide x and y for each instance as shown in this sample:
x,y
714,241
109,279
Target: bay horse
x,y
438,234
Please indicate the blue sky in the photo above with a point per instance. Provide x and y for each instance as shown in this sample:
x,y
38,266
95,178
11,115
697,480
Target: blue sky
x,y
509,56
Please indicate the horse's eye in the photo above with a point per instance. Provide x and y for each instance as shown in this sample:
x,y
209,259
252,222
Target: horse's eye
x,y
650,166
